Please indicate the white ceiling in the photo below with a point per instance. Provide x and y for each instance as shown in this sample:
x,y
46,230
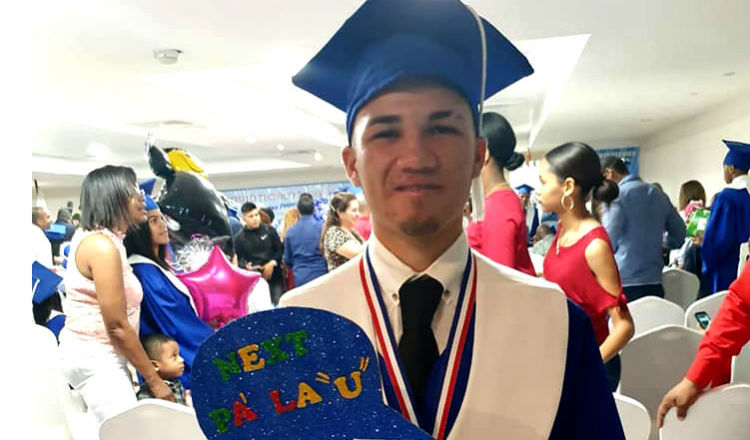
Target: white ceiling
x,y
606,72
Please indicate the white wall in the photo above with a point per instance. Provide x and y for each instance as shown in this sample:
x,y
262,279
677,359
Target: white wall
x,y
692,149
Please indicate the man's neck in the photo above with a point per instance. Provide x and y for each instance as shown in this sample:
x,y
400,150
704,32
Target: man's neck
x,y
418,252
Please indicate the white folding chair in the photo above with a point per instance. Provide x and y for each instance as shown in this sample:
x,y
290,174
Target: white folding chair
x,y
709,304
651,311
47,386
680,287
741,366
721,413
653,362
153,419
634,417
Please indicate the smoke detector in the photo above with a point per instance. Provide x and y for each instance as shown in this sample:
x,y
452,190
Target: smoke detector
x,y
167,56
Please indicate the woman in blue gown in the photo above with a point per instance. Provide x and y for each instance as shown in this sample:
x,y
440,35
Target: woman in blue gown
x,y
167,306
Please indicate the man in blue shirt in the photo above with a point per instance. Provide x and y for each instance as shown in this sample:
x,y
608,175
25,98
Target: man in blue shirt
x,y
636,222
302,244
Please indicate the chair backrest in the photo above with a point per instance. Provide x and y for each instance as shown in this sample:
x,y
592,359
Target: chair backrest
x,y
153,419
720,413
634,417
47,386
680,287
709,304
654,361
651,311
741,366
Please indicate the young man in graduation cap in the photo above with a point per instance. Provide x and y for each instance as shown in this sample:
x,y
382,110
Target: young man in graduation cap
x,y
729,222
468,349
529,208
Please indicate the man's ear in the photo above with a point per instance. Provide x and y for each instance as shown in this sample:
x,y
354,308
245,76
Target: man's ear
x,y
349,157
481,156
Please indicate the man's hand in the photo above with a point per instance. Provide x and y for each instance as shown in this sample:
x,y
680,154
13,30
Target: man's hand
x,y
267,270
683,395
160,390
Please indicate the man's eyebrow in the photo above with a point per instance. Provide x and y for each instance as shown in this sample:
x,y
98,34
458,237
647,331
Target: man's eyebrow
x,y
444,114
385,119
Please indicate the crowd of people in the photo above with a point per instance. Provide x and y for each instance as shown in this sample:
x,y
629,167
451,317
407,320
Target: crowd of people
x,y
404,248
121,288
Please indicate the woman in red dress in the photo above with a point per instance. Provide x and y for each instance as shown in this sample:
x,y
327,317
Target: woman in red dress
x,y
502,235
581,259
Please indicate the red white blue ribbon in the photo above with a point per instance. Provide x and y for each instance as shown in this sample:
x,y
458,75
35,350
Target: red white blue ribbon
x,y
388,347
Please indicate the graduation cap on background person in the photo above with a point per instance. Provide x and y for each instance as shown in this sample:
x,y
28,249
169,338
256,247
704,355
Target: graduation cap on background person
x,y
738,155
524,189
44,282
388,40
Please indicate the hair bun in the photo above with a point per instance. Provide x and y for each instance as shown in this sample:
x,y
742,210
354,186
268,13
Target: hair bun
x,y
514,161
605,190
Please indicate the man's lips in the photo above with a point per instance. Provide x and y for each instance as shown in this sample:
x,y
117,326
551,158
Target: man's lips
x,y
417,188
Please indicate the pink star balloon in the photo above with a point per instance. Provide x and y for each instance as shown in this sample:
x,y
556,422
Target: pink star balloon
x,y
219,289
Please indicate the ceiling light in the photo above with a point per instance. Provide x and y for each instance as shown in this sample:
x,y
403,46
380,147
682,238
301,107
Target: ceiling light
x,y
251,140
167,56
97,150
647,120
280,147
728,74
317,156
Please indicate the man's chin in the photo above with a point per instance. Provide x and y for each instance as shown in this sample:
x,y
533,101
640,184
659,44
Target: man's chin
x,y
419,228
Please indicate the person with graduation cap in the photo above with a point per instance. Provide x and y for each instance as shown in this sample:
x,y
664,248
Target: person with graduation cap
x,y
529,209
729,222
502,235
468,349
167,307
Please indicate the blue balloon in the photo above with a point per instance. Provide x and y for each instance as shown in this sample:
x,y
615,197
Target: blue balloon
x,y
293,373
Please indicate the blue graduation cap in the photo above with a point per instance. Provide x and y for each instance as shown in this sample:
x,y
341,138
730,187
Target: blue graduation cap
x,y
150,204
293,373
524,189
387,40
44,282
738,155
148,186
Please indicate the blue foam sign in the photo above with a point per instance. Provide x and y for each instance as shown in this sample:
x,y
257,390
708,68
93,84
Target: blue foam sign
x,y
293,373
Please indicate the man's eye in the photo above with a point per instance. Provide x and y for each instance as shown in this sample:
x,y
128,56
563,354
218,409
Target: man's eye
x,y
443,129
386,134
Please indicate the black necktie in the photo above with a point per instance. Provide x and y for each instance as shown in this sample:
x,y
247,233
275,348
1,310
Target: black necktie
x,y
418,349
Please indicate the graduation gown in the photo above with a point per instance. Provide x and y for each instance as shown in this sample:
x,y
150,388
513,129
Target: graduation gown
x,y
533,368
727,228
168,308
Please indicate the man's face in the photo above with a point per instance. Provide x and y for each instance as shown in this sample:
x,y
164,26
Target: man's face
x,y
728,173
524,199
414,153
252,219
44,220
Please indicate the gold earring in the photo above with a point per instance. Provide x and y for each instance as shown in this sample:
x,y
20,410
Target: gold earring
x,y
572,203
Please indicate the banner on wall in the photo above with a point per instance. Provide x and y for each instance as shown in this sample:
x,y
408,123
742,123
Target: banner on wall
x,y
629,155
280,198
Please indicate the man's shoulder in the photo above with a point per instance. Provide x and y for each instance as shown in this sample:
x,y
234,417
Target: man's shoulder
x,y
333,291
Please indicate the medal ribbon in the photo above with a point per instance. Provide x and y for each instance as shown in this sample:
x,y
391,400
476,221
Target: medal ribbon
x,y
388,347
